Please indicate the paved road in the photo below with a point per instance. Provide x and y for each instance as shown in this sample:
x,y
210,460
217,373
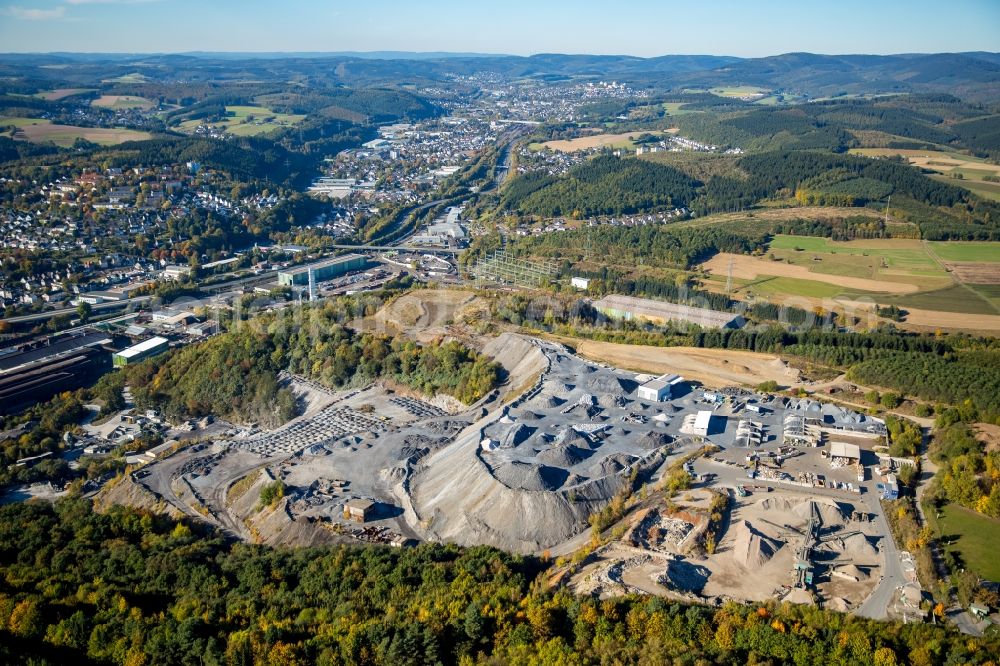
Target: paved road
x,y
877,603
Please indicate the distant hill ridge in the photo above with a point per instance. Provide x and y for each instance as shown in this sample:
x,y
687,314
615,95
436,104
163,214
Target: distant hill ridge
x,y
973,75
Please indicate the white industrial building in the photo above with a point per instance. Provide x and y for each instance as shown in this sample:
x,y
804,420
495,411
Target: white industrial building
x,y
659,389
697,424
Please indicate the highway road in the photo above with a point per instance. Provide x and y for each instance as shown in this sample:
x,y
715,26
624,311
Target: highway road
x,y
223,286
49,314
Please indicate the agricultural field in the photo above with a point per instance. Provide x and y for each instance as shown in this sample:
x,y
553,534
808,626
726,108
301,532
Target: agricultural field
x,y
674,109
741,92
248,121
844,273
60,93
983,188
954,251
947,285
973,536
117,102
594,141
38,130
887,259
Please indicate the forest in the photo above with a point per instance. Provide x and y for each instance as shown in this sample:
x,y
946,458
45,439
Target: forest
x,y
654,245
968,375
969,474
131,587
605,185
833,125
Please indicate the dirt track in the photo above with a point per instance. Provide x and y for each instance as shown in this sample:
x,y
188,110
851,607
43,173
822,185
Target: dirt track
x,y
934,319
750,268
711,367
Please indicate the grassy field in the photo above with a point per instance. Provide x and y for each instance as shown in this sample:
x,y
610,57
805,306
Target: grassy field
x,y
248,121
985,189
134,77
117,102
891,260
733,91
674,109
974,537
958,251
990,292
38,130
775,287
595,141
898,259
957,298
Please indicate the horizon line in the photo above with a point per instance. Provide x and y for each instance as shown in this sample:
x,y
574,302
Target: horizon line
x,y
479,54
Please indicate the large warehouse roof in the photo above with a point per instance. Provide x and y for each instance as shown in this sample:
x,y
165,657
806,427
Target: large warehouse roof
x,y
11,358
629,306
845,450
344,258
143,346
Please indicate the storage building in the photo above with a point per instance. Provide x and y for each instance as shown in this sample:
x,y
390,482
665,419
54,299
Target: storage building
x,y
360,510
140,352
697,424
844,453
659,389
661,312
322,270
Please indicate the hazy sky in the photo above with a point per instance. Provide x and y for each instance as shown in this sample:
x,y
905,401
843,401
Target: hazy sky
x,y
639,27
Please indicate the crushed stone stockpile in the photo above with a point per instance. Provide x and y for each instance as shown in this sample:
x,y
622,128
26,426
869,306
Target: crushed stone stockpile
x,y
856,546
751,548
828,510
527,475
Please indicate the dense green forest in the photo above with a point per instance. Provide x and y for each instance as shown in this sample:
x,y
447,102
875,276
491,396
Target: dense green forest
x,y
130,587
792,151
236,374
655,245
973,376
831,125
605,185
